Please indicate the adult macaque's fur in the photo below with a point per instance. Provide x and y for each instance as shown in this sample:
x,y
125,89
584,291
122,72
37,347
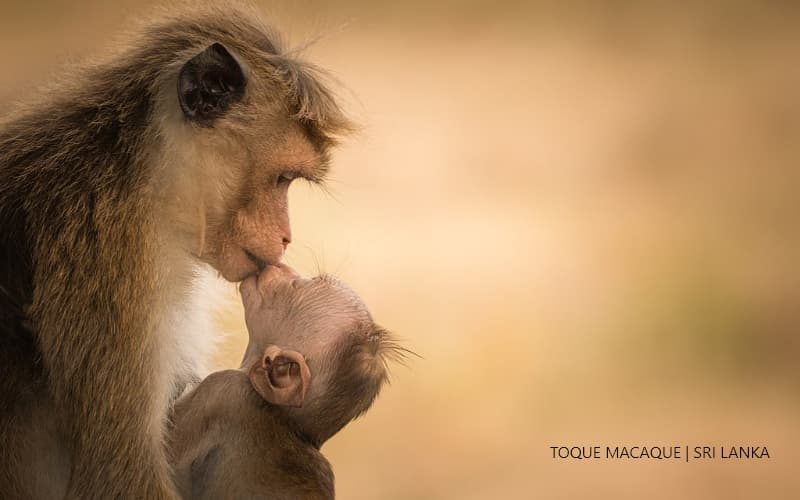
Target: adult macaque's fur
x,y
110,203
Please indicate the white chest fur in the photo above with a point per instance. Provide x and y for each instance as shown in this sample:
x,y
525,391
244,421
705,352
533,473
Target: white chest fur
x,y
187,335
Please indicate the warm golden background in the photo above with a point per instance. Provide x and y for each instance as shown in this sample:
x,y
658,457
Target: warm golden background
x,y
585,218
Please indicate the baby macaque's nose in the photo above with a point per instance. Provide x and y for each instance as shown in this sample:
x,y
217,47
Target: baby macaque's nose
x,y
274,274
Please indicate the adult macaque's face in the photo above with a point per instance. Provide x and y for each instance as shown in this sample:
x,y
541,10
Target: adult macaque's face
x,y
249,230
235,140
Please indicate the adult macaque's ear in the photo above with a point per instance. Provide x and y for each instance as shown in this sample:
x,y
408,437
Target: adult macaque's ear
x,y
209,83
282,378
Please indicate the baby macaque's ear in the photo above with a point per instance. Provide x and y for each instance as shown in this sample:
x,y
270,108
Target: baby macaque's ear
x,y
282,378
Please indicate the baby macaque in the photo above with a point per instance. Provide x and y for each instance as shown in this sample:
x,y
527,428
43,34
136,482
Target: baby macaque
x,y
315,361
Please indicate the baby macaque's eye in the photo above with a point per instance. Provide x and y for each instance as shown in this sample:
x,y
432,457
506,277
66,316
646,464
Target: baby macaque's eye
x,y
301,282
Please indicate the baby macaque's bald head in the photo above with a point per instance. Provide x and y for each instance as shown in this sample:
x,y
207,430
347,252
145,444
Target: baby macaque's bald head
x,y
314,349
314,362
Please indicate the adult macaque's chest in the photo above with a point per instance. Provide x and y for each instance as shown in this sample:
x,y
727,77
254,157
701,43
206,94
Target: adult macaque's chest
x,y
187,332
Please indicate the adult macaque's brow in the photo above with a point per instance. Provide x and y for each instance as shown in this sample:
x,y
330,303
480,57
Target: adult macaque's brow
x,y
309,166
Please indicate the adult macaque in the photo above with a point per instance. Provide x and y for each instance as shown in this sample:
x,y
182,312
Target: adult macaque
x,y
315,361
119,186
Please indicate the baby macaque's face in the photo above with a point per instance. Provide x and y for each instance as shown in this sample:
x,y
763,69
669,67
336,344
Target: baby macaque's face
x,y
314,349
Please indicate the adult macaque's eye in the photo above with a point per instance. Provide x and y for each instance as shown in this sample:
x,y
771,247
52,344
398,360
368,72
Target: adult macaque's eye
x,y
286,178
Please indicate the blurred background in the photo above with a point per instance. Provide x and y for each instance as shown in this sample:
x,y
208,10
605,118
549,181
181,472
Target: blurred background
x,y
583,216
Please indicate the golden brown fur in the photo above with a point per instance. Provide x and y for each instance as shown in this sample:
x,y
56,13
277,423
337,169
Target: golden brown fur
x,y
110,203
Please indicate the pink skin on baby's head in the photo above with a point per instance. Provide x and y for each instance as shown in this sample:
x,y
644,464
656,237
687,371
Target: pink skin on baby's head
x,y
313,348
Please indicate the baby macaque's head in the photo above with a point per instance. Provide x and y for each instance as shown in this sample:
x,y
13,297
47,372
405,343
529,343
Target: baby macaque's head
x,y
314,350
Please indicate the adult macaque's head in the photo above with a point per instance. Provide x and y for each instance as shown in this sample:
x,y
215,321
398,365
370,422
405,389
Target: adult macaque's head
x,y
314,349
240,117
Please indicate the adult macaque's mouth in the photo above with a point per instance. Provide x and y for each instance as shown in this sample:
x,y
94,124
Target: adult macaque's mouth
x,y
260,263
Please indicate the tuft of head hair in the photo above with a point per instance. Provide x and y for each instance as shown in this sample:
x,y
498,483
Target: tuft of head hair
x,y
391,349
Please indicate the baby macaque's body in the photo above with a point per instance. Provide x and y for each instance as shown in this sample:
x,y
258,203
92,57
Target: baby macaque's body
x,y
314,362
